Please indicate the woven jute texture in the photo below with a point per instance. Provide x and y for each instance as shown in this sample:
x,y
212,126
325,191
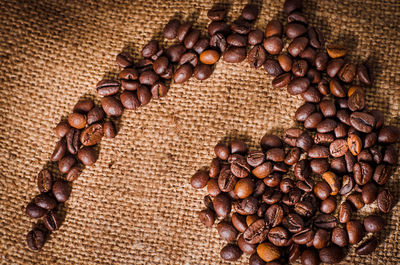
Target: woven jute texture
x,y
135,205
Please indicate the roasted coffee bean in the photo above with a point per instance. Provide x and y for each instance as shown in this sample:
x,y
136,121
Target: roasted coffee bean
x,y
256,232
239,222
255,37
370,140
354,231
322,190
280,167
334,67
183,73
247,206
61,190
315,77
216,13
175,52
255,158
256,260
345,212
290,136
108,87
325,221
278,236
356,199
35,239
259,189
257,57
246,247
209,57
239,166
222,151
300,68
244,188
128,99
356,99
222,205
321,61
95,115
363,74
385,201
369,193
293,222
66,163
312,95
199,179
226,231
304,208
347,72
302,169
338,165
143,95
143,65
362,121
218,41
87,155
109,129
328,205
271,196
297,46
148,77
234,54
298,85
376,154
73,173
77,120
51,221
319,166
160,65
263,170
268,252
213,188
218,27
292,5
316,38
62,129
92,135
303,237
241,26
362,173
34,211
336,88
323,138
281,80
275,154
367,247
274,28
341,130
207,217
237,40
124,60
333,181
292,197
293,156
215,168
307,185
171,29
230,252
374,223
191,38
201,45
321,238
348,184
272,67
129,74
273,45
338,148
112,106
285,61
286,185
59,150
250,12
326,126
340,237
336,51
202,71
332,254
354,143
274,215
168,73
294,30
310,257
273,180
297,16
130,84
318,151
327,108
45,201
183,30
304,111
350,161
381,174
44,181
389,134
83,106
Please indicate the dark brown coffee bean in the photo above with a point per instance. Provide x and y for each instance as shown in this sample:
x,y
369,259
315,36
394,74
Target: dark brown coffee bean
x,y
374,223
328,108
272,67
336,88
129,100
334,67
273,45
389,134
321,238
348,184
234,54
350,161
44,181
246,247
307,185
207,217
73,173
300,68
112,106
241,26
363,74
340,237
255,158
124,60
318,151
239,166
323,138
345,212
292,5
222,151
356,99
61,190
272,180
199,179
231,252
191,38
290,136
356,199
303,237
216,13
354,231
278,236
367,247
87,155
239,222
310,257
130,84
62,129
312,95
304,111
274,215
274,28
35,239
370,140
59,150
385,201
256,260
381,174
294,30
325,221
226,231
347,72
369,193
321,61
247,206
34,211
109,129
95,115
332,254
271,196
275,154
218,41
298,85
148,77
362,173
175,52
83,106
304,208
292,156
92,134
202,71
255,37
281,80
171,29
218,27
222,205
338,148
297,16
213,188
144,95
201,45
326,126
338,165
293,222
302,169
108,87
237,40
322,190
66,163
286,185
250,12
160,65
328,205
129,74
256,58
376,154
52,221
285,61
77,120
354,143
183,30
256,232
45,201
215,168
297,46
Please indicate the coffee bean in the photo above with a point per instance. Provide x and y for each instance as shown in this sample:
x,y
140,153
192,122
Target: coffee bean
x,y
302,170
389,134
250,12
319,166
218,27
370,140
175,52
129,100
66,163
73,173
199,179
160,65
326,126
256,260
347,72
51,221
304,208
61,190
112,106
216,13
272,180
77,120
143,65
239,166
62,129
168,73
143,95
44,181
333,181
273,45
307,185
59,150
334,67
241,26
212,187
209,57
285,61
321,61
332,254
222,151
376,154
303,237
369,193
129,74
191,38
367,247
374,223
246,247
322,190
328,205
222,205
340,237
35,239
244,188
309,257
92,135
297,46
304,111
336,51
363,74
354,231
286,185
256,232
268,252
275,154
312,95
87,155
108,87
381,174
148,77
247,206
318,151
385,201
300,68
45,201
362,173
183,30
350,161
83,106
297,16
34,211
292,156
356,99
298,85
294,30
124,60
293,222
274,28
239,222
230,252
202,71
255,37
234,54
170,30
325,221
338,148
321,238
336,88
274,215
218,41
237,40
255,158
256,58
226,231
290,135
354,143
278,236
281,80
338,165
292,5
95,115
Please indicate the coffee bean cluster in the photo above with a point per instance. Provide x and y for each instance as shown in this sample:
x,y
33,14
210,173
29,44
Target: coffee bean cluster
x,y
342,154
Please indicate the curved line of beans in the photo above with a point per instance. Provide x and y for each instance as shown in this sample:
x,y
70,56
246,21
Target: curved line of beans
x,y
196,55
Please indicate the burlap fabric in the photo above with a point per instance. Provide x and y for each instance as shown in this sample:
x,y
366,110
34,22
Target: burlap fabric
x,y
135,205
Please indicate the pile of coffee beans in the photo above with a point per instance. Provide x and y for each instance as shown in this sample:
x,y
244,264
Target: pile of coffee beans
x,y
342,155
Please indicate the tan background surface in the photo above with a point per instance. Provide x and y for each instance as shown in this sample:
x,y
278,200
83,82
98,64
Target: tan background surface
x,y
135,206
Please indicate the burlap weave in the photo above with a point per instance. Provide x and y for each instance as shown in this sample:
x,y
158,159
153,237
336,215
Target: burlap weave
x,y
135,205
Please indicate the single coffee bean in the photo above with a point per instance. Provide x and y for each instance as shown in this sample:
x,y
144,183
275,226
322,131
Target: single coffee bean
x,y
336,51
370,140
108,87
44,181
316,38
216,13
307,185
278,236
340,237
376,154
112,106
312,95
183,30
51,221
209,57
367,247
338,165
314,76
247,206
304,111
250,12
62,129
215,168
239,166
255,158
293,222
285,61
338,148
318,151
34,211
109,129
171,29
302,170
77,120
59,150
328,205
255,37
148,77
355,231
345,212
293,156
237,40
230,252
191,38
92,135
246,247
226,231
66,163
297,46
95,115
321,61
256,58
45,201
354,143
238,146
327,108
274,28
319,166
369,193
124,60
298,85
244,188
175,52
323,138
213,188
202,71
381,174
325,221
389,134
303,237
130,85
332,254
362,173
310,257
273,180
222,205
160,65
83,106
385,201
241,26
239,222
336,88
281,80
363,74
234,54
350,161
256,232
35,239
333,181
73,173
362,121
218,27
143,65
290,136
275,154
268,252
129,100
143,95
273,45
326,126
274,215
199,179
87,155
374,223
300,68
294,30
256,260
304,208
322,190
61,190
292,5
321,238
222,151
207,217
259,190
341,130
356,98
129,74
286,185
297,16
347,72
